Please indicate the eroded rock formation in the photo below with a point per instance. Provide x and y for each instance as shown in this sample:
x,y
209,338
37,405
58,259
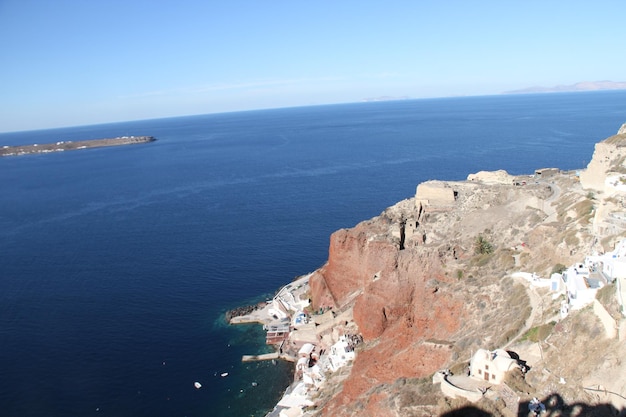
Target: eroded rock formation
x,y
425,294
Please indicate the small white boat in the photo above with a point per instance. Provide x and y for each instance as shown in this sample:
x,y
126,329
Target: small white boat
x,y
225,374
197,385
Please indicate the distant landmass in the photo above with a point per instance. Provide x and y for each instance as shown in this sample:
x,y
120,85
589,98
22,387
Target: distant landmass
x,y
385,98
70,145
581,86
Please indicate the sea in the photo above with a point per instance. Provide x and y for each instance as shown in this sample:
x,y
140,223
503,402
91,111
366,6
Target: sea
x,y
118,264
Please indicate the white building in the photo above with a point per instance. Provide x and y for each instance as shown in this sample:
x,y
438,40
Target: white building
x,y
340,354
306,350
557,285
581,287
491,366
533,279
613,267
294,400
313,377
288,301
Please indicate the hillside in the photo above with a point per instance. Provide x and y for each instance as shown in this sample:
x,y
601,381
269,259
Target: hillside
x,y
434,278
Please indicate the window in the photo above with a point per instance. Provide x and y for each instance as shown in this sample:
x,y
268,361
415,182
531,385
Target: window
x,y
486,367
480,372
493,376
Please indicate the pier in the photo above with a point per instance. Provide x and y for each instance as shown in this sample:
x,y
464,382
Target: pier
x,y
267,357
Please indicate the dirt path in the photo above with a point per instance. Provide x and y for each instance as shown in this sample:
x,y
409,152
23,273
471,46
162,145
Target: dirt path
x,y
547,207
536,303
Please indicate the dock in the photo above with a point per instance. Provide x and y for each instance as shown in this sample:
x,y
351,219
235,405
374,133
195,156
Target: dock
x,y
268,357
263,357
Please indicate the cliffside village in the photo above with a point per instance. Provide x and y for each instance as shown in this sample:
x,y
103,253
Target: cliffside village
x,y
323,342
318,342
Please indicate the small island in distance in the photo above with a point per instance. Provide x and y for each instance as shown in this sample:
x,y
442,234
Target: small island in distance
x,y
70,145
581,86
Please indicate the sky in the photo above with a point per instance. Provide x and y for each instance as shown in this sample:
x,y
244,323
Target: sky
x,y
78,62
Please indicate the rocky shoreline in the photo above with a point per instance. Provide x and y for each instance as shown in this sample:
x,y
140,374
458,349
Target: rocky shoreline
x,y
243,311
61,146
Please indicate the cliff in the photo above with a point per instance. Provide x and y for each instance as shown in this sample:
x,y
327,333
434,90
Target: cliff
x,y
429,280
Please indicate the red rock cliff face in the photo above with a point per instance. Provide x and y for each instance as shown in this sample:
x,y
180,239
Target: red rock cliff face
x,y
398,304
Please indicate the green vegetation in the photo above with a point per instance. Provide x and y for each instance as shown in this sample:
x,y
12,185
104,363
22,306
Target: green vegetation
x,y
484,251
459,273
558,269
539,333
482,246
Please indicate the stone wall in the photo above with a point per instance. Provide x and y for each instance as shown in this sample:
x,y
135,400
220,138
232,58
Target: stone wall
x,y
434,193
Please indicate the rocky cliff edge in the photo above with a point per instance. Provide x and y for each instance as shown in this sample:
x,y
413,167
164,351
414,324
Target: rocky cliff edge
x,y
429,279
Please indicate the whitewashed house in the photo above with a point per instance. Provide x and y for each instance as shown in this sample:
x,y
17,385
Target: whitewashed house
x,y
278,310
340,354
613,266
557,285
313,377
581,288
491,366
288,301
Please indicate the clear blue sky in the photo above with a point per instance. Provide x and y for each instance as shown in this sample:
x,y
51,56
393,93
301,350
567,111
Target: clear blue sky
x,y
74,62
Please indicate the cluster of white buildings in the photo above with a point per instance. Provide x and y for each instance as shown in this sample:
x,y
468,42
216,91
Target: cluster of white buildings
x,y
311,369
297,330
580,282
287,302
612,266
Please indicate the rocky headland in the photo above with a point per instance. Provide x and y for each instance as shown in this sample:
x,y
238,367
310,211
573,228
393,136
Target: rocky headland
x,y
477,265
61,146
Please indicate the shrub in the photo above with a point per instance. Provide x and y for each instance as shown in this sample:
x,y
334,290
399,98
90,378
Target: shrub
x,y
558,269
538,333
482,246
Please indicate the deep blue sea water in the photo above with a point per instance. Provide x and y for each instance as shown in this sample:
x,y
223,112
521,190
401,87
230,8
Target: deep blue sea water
x,y
117,264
